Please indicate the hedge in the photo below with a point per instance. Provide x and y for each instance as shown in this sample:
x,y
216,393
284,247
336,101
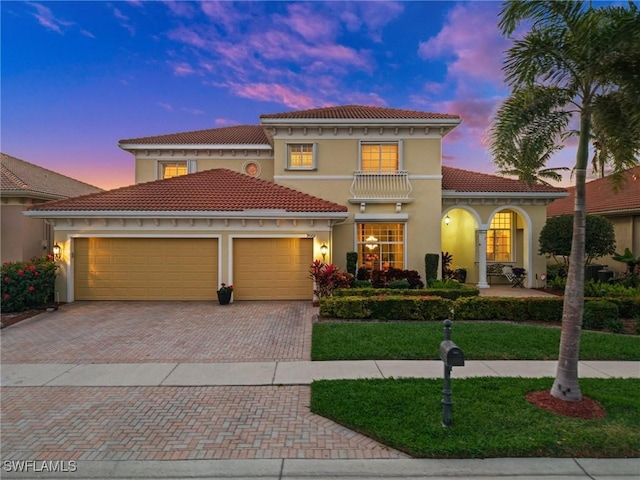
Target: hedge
x,y
449,293
414,307
386,308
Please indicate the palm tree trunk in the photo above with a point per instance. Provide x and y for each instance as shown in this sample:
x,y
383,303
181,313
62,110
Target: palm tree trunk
x,y
566,385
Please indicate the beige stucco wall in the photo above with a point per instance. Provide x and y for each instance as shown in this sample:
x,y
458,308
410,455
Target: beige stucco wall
x,y
627,231
22,238
147,166
339,157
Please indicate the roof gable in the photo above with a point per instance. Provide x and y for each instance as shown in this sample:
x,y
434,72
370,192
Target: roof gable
x,y
236,135
208,191
458,180
601,197
359,112
21,178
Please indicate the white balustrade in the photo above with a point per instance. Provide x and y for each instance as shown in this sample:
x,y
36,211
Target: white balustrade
x,y
380,185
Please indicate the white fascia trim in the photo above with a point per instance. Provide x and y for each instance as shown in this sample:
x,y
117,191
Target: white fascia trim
x,y
374,217
195,146
455,194
361,122
425,177
184,214
312,176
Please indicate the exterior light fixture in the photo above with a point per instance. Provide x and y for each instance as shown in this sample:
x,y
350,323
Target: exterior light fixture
x,y
324,250
57,251
371,246
447,220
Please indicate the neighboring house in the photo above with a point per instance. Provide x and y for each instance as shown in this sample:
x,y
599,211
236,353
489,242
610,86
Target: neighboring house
x,y
621,207
23,184
244,205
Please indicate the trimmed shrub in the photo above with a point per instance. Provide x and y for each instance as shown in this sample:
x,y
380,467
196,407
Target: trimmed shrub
x,y
28,284
431,261
627,307
352,262
398,285
386,308
362,284
461,291
599,314
512,309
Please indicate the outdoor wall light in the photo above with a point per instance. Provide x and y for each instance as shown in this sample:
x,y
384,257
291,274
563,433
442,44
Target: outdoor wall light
x,y
57,251
324,250
447,220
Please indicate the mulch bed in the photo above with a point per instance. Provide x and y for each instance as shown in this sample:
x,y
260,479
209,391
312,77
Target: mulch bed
x,y
587,408
7,319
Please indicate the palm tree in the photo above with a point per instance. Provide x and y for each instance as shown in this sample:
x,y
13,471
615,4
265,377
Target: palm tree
x,y
575,61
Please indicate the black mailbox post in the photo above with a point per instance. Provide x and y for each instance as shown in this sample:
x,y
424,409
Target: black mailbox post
x,y
451,356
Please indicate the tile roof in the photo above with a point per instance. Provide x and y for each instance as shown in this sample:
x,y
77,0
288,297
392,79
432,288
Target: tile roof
x,y
356,112
218,190
601,198
460,180
20,178
236,135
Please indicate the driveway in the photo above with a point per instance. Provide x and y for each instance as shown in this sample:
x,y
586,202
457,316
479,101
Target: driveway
x,y
162,332
168,422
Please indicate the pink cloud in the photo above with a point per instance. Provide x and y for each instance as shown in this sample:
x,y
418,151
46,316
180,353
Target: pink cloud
x,y
224,122
370,16
182,69
274,93
47,19
303,20
470,36
181,9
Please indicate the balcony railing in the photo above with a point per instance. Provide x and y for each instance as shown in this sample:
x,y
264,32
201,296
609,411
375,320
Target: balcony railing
x,y
381,186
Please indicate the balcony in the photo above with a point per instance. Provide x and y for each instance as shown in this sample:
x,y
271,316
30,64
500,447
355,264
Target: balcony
x,y
380,187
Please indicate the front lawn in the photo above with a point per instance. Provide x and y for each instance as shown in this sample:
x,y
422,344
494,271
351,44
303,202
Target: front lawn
x,y
491,417
478,341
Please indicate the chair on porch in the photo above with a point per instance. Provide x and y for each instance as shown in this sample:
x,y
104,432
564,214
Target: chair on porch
x,y
514,280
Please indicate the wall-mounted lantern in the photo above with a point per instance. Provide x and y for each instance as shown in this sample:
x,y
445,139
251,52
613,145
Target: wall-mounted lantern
x,y
57,251
447,220
324,250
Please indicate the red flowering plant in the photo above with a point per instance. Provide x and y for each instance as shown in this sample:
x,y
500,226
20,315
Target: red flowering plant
x,y
28,284
327,278
224,288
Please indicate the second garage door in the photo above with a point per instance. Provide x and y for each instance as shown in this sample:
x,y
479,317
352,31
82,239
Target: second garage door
x,y
145,268
272,268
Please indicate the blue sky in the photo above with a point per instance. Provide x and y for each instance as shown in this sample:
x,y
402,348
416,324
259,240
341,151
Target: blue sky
x,y
79,76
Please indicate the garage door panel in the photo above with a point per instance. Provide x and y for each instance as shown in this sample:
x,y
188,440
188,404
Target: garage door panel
x,y
272,268
139,269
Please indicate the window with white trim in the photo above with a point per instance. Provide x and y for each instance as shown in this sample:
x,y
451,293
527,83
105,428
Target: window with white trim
x,y
172,169
500,238
380,157
301,156
381,245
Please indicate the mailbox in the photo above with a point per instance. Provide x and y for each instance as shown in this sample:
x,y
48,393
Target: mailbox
x,y
450,354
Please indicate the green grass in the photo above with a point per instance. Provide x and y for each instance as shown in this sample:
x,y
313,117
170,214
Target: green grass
x,y
491,417
478,341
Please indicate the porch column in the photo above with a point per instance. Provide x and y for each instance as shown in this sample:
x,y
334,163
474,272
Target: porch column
x,y
482,263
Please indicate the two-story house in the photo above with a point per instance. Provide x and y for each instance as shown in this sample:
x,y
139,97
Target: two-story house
x,y
254,205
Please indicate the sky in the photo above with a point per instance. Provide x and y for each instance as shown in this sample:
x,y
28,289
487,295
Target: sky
x,y
78,76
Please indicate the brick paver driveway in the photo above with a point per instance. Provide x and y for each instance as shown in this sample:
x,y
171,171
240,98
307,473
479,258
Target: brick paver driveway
x,y
162,332
167,422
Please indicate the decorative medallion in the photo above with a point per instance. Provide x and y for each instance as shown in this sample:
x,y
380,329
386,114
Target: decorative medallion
x,y
251,168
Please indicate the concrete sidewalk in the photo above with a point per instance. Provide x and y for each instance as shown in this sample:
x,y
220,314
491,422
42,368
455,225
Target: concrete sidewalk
x,y
282,469
283,373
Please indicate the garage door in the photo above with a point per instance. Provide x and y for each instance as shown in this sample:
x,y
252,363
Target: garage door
x,y
272,268
145,268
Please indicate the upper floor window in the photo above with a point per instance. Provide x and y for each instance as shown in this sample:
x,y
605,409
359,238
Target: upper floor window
x,y
499,238
379,157
172,169
301,156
